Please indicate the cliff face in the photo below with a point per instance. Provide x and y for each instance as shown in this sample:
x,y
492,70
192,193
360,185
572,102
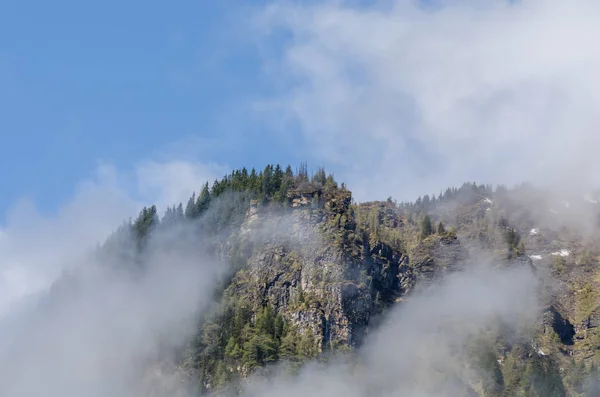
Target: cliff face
x,y
324,279
318,276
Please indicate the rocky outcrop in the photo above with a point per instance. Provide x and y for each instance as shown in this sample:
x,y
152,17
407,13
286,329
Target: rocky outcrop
x,y
328,290
553,320
435,256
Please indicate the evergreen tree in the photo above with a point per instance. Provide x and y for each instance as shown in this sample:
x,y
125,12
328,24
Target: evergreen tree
x,y
320,177
441,230
426,227
267,181
330,182
253,181
146,221
190,207
277,178
289,173
173,216
302,174
203,201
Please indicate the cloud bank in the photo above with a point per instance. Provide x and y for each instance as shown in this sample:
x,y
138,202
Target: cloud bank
x,y
406,97
423,348
35,247
105,328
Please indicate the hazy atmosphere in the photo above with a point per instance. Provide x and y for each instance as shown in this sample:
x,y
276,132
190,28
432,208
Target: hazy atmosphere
x,y
145,250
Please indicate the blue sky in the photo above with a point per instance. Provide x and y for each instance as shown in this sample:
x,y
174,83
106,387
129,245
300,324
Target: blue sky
x,y
396,98
118,82
110,106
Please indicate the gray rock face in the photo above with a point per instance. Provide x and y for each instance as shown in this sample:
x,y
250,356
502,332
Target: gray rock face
x,y
435,257
326,289
553,320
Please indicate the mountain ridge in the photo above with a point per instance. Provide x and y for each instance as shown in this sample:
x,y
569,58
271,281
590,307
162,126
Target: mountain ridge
x,y
304,273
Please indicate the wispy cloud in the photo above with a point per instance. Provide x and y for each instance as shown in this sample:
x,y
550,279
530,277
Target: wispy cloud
x,y
405,98
36,247
173,182
425,337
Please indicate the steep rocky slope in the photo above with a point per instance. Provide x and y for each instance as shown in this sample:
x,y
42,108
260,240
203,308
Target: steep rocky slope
x,y
307,275
326,271
277,283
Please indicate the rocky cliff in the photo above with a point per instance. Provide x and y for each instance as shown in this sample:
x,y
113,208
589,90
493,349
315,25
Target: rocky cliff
x,y
313,275
326,271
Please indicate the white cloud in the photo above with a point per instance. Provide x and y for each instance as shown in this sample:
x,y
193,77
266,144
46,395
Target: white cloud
x,y
404,98
174,181
442,318
35,247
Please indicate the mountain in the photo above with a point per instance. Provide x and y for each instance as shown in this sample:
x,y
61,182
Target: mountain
x,y
477,291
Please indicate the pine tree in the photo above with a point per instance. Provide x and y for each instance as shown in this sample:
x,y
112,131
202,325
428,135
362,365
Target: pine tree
x,y
267,181
203,201
289,173
302,174
146,221
253,182
441,230
277,178
426,227
190,207
320,177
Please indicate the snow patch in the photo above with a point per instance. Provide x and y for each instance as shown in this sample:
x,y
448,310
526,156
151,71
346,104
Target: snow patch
x,y
536,257
533,232
538,349
541,352
487,200
562,253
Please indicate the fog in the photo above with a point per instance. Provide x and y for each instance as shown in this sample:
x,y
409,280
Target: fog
x,y
108,322
403,98
114,324
79,321
422,348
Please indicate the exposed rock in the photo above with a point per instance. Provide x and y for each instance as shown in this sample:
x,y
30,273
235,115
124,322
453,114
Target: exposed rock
x,y
552,319
320,287
436,255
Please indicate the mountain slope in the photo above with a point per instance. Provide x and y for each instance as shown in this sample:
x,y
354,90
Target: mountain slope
x,y
476,291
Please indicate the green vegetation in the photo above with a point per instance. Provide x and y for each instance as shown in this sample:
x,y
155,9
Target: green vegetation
x,y
271,187
587,302
559,264
238,340
516,246
426,227
277,304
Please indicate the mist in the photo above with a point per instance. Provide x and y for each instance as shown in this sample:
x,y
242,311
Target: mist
x,y
107,322
403,99
115,323
84,312
422,349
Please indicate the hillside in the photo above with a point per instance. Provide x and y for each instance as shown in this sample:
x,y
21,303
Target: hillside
x,y
309,277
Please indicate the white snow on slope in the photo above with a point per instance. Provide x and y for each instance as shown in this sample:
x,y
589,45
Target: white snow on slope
x,y
541,352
